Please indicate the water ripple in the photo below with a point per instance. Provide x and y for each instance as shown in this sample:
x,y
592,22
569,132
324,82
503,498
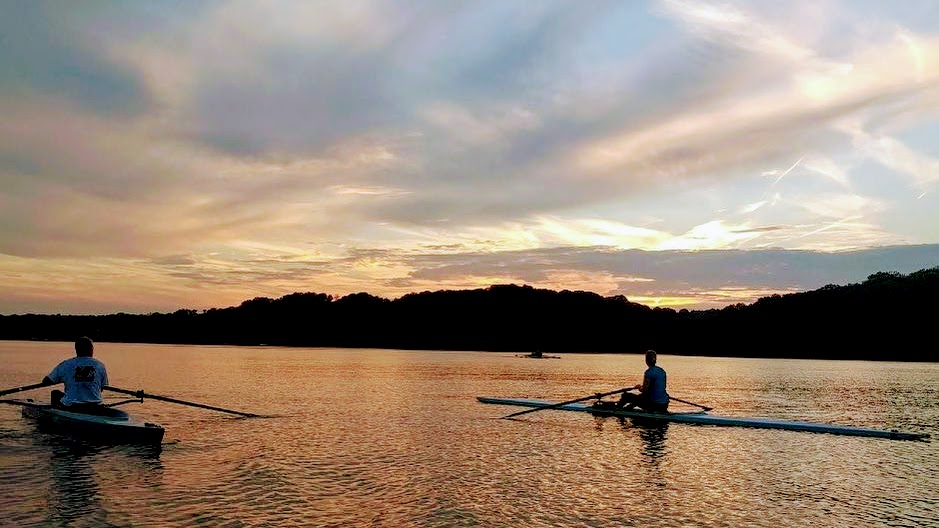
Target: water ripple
x,y
396,439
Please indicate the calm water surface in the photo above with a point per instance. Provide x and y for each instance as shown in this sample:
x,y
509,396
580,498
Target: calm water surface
x,y
396,438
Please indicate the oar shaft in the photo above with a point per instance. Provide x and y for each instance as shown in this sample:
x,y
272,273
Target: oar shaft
x,y
705,407
556,405
142,394
19,402
24,388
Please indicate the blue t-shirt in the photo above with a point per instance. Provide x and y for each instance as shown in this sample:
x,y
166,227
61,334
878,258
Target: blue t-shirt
x,y
83,378
655,383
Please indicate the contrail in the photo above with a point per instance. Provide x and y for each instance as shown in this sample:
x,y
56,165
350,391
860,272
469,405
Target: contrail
x,y
794,165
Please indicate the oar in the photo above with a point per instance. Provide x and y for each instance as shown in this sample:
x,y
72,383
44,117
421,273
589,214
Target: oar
x,y
142,394
122,402
556,405
23,388
705,407
18,402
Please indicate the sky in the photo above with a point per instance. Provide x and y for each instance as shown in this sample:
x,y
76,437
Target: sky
x,y
689,154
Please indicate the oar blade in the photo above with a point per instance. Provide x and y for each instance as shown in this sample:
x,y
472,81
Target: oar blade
x,y
519,413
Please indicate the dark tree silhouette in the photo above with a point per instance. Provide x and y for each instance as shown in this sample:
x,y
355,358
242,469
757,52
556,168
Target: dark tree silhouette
x,y
886,317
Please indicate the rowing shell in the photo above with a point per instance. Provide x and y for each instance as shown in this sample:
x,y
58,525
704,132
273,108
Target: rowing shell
x,y
708,419
118,428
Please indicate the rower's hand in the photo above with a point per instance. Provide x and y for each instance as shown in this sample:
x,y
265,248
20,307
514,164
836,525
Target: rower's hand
x,y
637,387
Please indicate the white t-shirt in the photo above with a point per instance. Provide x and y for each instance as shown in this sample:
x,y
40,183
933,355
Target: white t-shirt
x,y
83,378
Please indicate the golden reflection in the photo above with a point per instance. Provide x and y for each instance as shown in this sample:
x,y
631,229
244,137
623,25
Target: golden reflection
x,y
83,476
75,493
654,447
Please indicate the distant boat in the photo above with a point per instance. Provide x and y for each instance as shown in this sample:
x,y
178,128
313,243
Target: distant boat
x,y
537,354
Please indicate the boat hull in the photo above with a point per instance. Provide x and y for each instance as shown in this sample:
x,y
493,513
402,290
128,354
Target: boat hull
x,y
703,418
99,429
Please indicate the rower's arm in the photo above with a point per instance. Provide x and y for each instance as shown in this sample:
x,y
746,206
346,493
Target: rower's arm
x,y
47,381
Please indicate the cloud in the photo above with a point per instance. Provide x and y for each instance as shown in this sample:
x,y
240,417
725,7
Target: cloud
x,y
247,148
710,278
730,26
486,120
120,188
741,276
45,52
923,170
842,206
827,167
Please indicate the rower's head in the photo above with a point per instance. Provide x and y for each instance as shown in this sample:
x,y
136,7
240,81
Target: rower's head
x,y
84,347
651,357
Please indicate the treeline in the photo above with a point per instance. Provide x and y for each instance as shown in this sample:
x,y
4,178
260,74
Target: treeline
x,y
889,316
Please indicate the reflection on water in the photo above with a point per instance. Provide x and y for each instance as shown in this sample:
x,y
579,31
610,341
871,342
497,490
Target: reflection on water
x,y
396,438
74,493
76,470
653,439
653,447
652,433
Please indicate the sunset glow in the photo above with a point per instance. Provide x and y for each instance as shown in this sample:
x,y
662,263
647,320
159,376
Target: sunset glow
x,y
683,154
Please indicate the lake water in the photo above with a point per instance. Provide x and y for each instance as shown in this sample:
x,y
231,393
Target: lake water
x,y
389,438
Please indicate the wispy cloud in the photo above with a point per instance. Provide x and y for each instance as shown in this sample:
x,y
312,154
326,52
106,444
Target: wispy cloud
x,y
242,148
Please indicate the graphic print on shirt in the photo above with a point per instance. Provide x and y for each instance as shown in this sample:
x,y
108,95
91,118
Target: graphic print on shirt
x,y
86,373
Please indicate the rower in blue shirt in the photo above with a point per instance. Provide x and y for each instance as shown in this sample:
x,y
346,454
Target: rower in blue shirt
x,y
652,396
